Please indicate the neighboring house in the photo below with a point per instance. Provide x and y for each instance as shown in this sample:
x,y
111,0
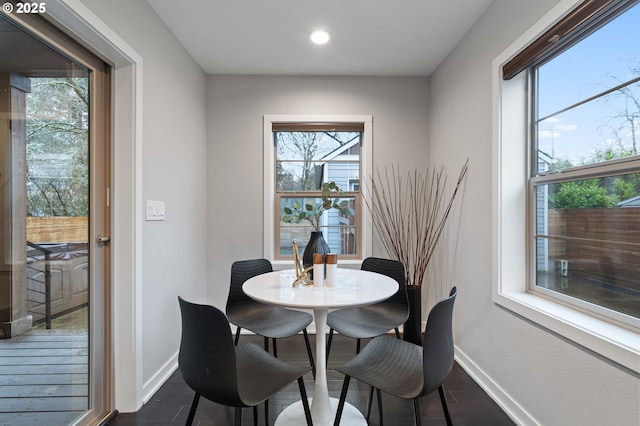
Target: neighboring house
x,y
346,174
631,202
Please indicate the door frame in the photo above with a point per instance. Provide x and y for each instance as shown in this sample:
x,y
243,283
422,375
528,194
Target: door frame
x,y
99,158
125,348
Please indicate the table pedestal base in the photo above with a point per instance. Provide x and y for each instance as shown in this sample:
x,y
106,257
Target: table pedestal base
x,y
293,415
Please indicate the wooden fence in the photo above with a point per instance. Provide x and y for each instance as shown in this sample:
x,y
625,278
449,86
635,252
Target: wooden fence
x,y
601,244
58,229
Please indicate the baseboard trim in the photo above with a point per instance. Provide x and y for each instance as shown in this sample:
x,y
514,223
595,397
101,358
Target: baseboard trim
x,y
514,410
151,386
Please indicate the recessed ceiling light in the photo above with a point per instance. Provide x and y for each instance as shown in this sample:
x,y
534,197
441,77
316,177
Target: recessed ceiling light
x,y
319,37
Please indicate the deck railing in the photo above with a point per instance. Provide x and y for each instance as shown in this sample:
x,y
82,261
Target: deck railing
x,y
39,290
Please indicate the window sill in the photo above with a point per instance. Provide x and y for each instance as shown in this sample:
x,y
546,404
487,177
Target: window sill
x,y
611,341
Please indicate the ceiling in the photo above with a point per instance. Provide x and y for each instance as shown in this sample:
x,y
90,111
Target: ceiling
x,y
369,37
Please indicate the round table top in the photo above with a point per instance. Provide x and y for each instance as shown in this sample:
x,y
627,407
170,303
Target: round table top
x,y
353,287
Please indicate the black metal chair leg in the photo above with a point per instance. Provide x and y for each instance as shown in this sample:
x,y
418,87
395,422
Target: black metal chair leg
x,y
192,410
238,416
343,397
275,349
255,415
445,407
416,411
357,346
329,343
266,344
370,402
305,402
237,336
379,393
397,332
311,361
266,413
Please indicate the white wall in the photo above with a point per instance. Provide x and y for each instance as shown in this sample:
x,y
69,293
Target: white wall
x,y
172,169
537,375
236,105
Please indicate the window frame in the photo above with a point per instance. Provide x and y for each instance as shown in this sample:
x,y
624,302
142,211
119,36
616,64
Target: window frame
x,y
513,245
269,180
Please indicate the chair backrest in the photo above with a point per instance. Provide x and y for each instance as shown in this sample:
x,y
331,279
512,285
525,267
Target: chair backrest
x,y
207,357
241,271
437,343
393,269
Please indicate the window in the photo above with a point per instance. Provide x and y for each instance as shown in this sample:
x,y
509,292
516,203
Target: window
x,y
303,153
585,179
568,114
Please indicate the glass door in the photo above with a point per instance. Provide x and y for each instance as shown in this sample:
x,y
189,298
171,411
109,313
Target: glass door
x,y
54,227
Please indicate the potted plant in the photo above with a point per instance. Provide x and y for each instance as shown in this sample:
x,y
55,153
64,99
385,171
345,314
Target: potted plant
x,y
410,215
310,212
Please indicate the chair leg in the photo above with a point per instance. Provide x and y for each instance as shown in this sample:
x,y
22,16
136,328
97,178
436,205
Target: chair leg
x,y
266,344
416,411
397,332
343,397
370,402
275,349
266,413
237,335
306,342
192,410
357,346
238,416
305,402
379,393
255,415
329,343
445,407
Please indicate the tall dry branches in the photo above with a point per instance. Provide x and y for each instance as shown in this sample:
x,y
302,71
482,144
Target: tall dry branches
x,y
410,215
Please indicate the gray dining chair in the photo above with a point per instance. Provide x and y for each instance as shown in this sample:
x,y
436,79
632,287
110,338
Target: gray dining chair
x,y
404,369
234,375
368,321
271,322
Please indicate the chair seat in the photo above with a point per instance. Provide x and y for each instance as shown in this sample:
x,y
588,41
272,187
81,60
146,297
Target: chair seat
x,y
389,364
366,321
274,322
253,361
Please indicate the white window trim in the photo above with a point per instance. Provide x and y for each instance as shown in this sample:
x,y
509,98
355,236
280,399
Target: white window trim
x,y
509,248
366,165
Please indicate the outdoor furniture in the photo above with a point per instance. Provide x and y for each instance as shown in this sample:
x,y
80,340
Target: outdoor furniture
x,y
272,322
403,369
238,376
368,321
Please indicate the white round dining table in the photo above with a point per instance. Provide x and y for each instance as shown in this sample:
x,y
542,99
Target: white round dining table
x,y
353,287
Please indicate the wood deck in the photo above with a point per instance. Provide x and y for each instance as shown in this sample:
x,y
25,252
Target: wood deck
x,y
43,377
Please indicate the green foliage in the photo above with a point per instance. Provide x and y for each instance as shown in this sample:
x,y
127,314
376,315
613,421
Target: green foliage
x,y
582,194
597,192
310,211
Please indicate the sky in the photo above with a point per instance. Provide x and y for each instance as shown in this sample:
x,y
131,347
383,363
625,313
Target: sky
x,y
603,60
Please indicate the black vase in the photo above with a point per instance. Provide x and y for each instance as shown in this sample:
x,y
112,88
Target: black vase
x,y
316,244
413,326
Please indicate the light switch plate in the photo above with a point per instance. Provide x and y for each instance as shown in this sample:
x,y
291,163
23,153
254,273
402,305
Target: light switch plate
x,y
154,210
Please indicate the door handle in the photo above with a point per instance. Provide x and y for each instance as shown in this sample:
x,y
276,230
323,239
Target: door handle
x,y
103,241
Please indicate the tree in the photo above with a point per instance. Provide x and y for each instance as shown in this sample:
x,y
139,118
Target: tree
x,y
57,147
624,124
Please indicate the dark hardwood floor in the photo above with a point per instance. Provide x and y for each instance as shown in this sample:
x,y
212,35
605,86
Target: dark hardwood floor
x,y
468,403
